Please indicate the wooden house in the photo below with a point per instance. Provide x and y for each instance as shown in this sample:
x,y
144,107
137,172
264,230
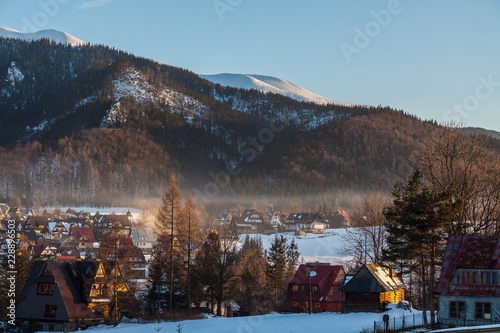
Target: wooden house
x,y
309,222
469,287
83,237
318,281
338,219
54,295
370,287
103,224
250,221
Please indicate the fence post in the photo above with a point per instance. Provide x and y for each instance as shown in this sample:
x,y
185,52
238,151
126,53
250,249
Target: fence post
x,y
413,320
394,323
404,321
374,326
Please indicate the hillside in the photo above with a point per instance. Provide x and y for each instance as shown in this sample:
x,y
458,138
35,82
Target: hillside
x,y
92,125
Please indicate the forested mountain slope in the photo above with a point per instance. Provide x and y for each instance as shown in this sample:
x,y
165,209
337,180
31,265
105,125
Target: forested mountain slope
x,y
88,124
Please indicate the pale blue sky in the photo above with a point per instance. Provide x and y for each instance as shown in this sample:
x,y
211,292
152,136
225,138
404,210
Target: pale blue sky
x,y
436,59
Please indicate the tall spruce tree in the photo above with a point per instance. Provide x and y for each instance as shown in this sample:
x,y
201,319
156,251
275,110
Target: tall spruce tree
x,y
282,259
215,264
251,273
417,223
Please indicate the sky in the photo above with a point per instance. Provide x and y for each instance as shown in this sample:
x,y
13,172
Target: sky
x,y
437,59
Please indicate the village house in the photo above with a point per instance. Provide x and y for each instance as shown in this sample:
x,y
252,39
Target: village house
x,y
102,224
371,287
468,287
55,295
319,282
277,220
308,222
61,295
338,219
250,221
144,238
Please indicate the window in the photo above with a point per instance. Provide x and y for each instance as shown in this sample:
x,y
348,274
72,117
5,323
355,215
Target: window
x,y
50,310
294,303
318,304
469,277
45,289
457,309
483,311
295,287
302,287
315,288
483,278
488,278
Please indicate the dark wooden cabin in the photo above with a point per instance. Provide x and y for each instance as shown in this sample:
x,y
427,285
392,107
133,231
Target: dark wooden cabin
x,y
371,286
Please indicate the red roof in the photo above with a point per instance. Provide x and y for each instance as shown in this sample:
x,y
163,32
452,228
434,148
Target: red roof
x,y
79,232
469,252
326,277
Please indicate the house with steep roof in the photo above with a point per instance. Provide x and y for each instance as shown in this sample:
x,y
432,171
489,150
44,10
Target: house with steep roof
x,y
319,282
277,220
55,295
36,223
102,224
469,286
338,219
83,237
250,221
371,287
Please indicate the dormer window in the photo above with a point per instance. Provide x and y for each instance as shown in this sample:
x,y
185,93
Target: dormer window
x,y
45,289
476,277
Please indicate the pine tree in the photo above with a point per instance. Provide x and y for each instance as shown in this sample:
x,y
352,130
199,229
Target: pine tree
x,y
251,272
417,222
282,259
158,276
214,267
169,222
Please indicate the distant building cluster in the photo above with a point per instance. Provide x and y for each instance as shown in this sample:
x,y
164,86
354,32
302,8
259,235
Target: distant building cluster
x,y
253,221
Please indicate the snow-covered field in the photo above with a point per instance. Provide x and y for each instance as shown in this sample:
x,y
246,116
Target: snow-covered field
x,y
313,247
273,323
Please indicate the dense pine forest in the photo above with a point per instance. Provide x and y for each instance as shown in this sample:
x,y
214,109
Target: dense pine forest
x,y
90,124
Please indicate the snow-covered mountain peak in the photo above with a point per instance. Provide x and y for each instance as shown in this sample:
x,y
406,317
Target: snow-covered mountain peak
x,y
270,84
51,34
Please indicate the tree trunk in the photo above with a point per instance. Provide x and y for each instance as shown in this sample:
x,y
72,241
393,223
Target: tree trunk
x,y
188,266
431,297
171,291
424,289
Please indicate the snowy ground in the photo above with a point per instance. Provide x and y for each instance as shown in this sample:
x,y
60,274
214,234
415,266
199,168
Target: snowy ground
x,y
272,323
313,247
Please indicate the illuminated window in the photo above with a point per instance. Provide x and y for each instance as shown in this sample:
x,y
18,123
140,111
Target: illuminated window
x,y
295,287
315,288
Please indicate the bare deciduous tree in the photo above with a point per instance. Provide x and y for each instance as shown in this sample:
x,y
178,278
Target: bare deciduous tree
x,y
466,162
366,239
